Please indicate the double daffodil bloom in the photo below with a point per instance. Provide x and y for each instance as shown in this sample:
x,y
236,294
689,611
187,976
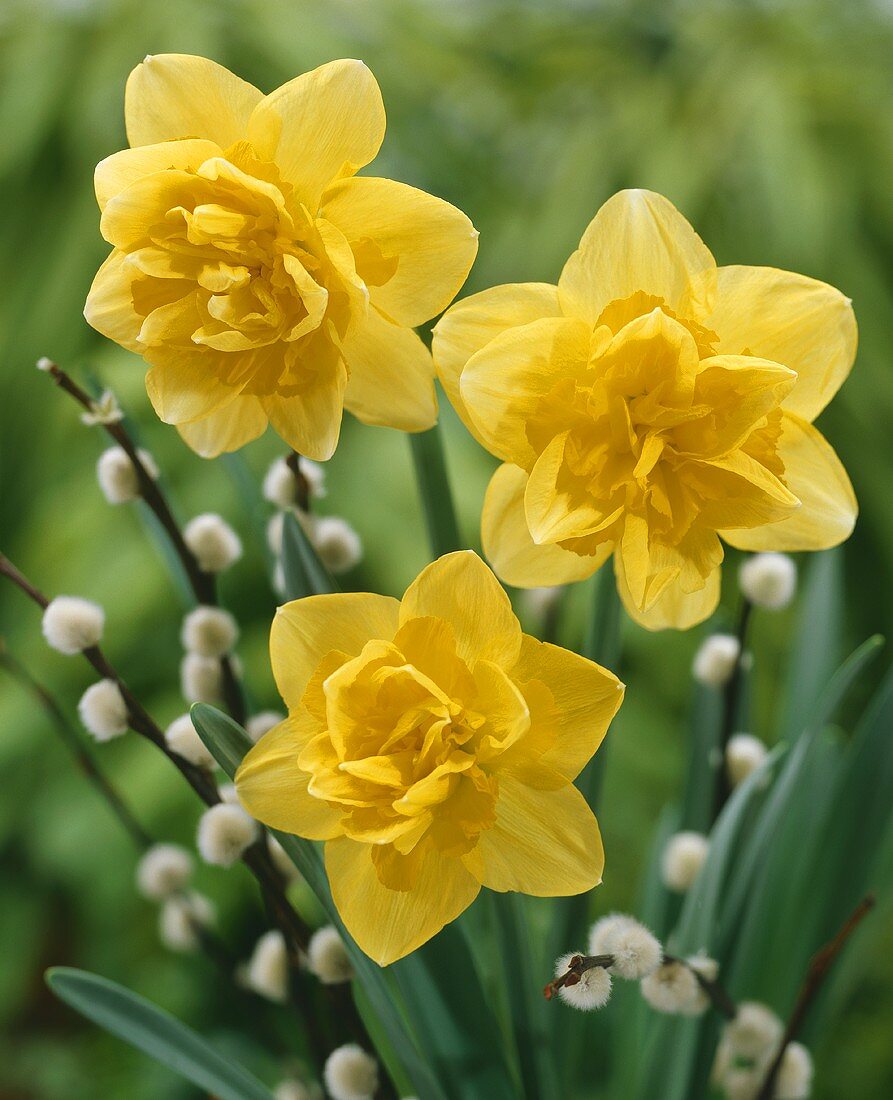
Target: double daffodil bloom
x,y
646,407
433,746
258,275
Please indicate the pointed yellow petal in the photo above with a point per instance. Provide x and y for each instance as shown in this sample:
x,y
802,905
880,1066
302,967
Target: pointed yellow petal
x,y
320,127
109,306
304,631
391,375
228,429
504,384
554,503
413,250
638,242
273,789
674,609
388,924
814,473
184,387
791,319
471,324
461,589
120,170
544,843
171,96
508,544
310,421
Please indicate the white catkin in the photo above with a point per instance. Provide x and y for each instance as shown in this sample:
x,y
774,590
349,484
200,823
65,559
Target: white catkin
x,y
267,969
636,951
103,710
672,988
224,833
682,860
593,990
337,543
282,861
181,918
165,869
794,1080
71,624
201,679
744,754
327,956
715,660
261,723
351,1074
754,1031
769,580
214,543
297,1090
209,631
117,475
707,968
181,738
228,793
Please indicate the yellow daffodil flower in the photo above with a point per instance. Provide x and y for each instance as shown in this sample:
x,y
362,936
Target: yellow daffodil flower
x,y
257,274
646,407
433,747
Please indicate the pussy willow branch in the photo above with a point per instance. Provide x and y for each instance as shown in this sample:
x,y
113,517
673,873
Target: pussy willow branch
x,y
731,699
302,486
819,966
203,585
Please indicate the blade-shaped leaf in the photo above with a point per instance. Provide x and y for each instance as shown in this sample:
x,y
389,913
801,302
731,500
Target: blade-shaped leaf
x,y
224,739
305,574
434,489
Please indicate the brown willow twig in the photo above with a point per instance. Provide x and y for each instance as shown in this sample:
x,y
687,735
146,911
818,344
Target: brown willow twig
x,y
203,585
819,966
731,698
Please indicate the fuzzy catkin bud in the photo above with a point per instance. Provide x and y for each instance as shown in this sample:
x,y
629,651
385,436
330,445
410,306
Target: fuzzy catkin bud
x,y
117,475
209,631
71,624
259,724
297,1090
716,659
794,1080
592,991
267,970
214,543
182,918
103,710
351,1074
672,988
282,861
165,869
754,1031
327,956
744,754
769,580
337,543
224,833
707,968
635,949
683,858
201,679
281,486
181,737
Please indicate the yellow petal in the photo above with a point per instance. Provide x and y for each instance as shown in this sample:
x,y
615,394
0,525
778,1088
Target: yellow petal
x,y
120,170
172,96
674,609
273,789
638,242
109,306
388,924
187,389
504,384
791,319
304,631
814,473
461,589
310,420
417,249
585,699
555,506
320,127
228,429
391,375
544,843
510,548
471,324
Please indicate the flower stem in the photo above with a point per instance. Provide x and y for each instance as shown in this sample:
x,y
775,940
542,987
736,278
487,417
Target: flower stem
x,y
434,488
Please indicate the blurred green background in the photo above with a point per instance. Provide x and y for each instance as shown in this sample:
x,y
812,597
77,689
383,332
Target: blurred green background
x,y
769,124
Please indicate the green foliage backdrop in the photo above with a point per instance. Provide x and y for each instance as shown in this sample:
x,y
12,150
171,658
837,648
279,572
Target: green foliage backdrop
x,y
769,124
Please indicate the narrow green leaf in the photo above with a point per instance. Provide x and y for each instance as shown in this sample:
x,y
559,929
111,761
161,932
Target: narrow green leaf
x,y
224,739
305,574
434,489
156,1033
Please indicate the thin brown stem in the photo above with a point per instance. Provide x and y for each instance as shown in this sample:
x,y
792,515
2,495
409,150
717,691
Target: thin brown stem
x,y
302,486
819,966
730,703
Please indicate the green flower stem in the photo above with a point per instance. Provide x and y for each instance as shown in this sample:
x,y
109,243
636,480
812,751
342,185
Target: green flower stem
x,y
434,488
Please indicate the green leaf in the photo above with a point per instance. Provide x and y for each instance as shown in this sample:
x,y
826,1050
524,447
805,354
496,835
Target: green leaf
x,y
224,739
305,574
434,489
156,1033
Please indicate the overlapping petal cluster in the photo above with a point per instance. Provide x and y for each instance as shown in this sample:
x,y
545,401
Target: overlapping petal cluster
x,y
261,279
433,746
646,407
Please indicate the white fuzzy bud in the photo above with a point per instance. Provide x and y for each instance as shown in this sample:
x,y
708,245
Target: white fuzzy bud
x,y
351,1074
636,950
267,969
181,738
337,543
794,1080
103,710
327,956
754,1032
281,487
165,869
743,1082
716,659
279,579
44,363
209,631
201,679
103,410
592,991
683,858
259,724
71,624
228,794
672,988
180,920
214,543
540,601
297,1090
707,968
224,832
275,526
769,580
116,474
744,754
282,861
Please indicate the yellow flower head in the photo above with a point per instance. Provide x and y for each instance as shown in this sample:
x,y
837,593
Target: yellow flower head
x,y
646,406
433,746
261,278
